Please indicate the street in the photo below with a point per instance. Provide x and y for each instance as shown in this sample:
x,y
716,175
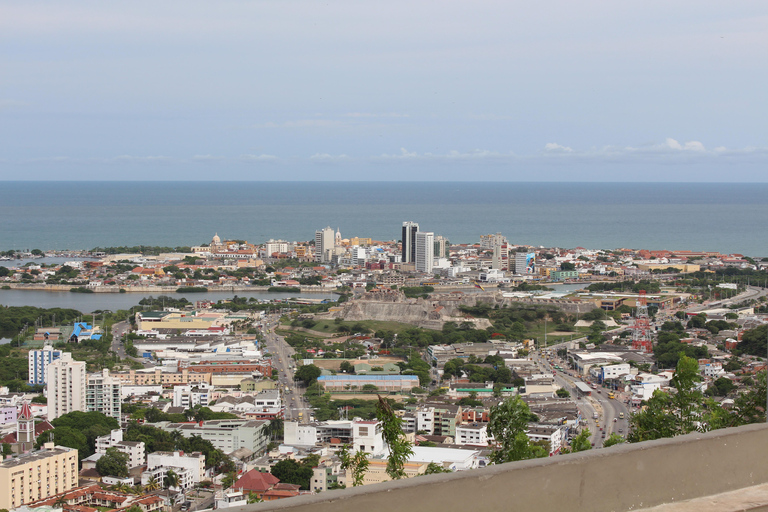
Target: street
x,y
284,364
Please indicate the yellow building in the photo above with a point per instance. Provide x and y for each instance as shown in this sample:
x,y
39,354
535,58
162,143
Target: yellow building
x,y
685,268
157,376
377,471
37,475
149,320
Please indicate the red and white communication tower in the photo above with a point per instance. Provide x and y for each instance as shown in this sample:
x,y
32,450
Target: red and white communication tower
x,y
641,331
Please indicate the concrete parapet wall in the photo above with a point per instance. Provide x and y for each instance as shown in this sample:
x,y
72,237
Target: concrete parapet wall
x,y
625,477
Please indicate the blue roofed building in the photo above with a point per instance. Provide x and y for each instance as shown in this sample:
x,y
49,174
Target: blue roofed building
x,y
355,383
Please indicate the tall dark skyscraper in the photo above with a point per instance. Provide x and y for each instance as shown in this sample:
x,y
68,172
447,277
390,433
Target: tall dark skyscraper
x,y
409,241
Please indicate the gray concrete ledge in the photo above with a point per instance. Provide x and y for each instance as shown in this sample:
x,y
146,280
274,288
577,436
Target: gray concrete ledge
x,y
621,478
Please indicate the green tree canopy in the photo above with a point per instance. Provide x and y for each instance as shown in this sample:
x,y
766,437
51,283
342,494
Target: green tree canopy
x,y
113,463
508,424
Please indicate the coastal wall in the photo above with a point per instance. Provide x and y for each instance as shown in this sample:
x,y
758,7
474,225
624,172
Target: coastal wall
x,y
155,289
624,477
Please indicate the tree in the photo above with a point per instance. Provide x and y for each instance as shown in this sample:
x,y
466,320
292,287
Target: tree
x,y
358,463
580,443
307,373
113,463
291,472
434,468
392,432
152,485
229,480
507,425
7,450
562,393
671,414
66,436
346,367
171,479
612,440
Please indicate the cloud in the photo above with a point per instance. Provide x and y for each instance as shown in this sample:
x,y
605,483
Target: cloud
x,y
553,147
369,114
302,123
258,158
328,158
207,158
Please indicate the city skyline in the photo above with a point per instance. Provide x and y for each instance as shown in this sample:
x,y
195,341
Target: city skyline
x,y
346,91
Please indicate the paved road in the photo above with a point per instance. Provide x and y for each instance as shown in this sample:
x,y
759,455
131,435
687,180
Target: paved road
x,y
607,409
282,360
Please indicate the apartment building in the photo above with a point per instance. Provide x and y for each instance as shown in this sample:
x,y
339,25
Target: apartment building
x,y
66,386
102,394
135,450
38,363
37,475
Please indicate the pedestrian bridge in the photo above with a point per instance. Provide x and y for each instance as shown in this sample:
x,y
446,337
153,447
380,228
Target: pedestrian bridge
x,y
696,472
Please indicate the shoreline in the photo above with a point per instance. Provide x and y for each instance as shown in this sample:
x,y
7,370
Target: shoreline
x,y
158,289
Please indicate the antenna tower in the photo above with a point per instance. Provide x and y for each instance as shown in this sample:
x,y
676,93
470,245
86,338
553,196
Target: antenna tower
x,y
641,331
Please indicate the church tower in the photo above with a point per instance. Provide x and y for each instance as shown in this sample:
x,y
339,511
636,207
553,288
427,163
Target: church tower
x,y
25,428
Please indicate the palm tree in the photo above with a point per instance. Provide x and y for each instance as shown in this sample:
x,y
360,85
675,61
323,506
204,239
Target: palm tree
x,y
171,479
138,489
253,498
60,502
152,484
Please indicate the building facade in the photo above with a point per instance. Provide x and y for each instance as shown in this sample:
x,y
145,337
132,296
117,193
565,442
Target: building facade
x,y
103,394
409,241
66,386
425,251
38,363
37,475
325,241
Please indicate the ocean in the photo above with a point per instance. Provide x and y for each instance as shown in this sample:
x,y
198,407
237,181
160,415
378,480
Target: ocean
x,y
730,218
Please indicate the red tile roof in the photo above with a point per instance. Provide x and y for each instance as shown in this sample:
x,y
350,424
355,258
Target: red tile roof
x,y
256,481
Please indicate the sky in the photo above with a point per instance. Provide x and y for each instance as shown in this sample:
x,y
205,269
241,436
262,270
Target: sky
x,y
493,90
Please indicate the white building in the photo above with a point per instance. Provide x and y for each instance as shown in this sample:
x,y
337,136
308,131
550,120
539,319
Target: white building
x,y
472,434
103,394
231,499
134,449
644,384
362,435
39,361
425,251
614,371
158,474
226,435
190,396
275,247
324,244
554,435
194,463
455,459
712,370
66,383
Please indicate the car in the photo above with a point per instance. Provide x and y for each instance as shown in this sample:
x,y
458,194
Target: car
x,y
615,420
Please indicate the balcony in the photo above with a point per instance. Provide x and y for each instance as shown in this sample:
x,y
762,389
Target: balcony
x,y
722,471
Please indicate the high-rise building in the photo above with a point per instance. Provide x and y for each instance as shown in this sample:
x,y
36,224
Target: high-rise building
x,y
500,259
324,244
103,394
66,383
409,241
441,247
39,361
37,475
491,241
525,263
425,251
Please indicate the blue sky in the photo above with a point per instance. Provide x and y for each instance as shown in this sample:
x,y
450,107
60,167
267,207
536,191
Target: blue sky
x,y
380,90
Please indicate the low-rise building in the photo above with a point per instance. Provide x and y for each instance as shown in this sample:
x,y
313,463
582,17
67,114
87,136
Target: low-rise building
x,y
134,449
226,435
190,467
